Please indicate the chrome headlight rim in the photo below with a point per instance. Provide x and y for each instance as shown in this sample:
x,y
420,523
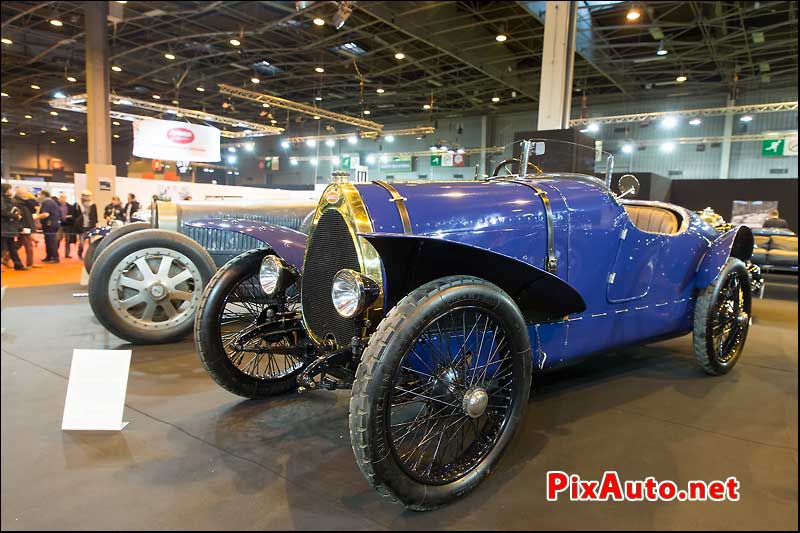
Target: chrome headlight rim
x,y
363,291
274,275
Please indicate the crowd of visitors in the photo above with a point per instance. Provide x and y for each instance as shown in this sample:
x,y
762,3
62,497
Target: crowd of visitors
x,y
23,214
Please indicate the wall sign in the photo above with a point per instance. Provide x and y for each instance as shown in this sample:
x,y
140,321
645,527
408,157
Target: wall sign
x,y
175,141
779,147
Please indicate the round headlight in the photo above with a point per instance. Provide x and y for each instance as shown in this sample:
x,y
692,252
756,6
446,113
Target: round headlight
x,y
275,276
352,292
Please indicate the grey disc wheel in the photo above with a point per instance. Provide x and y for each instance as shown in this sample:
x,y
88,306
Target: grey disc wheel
x,y
146,286
96,247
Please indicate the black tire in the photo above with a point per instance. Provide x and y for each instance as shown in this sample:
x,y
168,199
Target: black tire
x,y
151,244
370,403
208,331
97,247
712,314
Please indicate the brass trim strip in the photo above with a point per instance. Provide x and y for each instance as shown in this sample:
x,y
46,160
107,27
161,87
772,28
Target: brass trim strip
x,y
400,202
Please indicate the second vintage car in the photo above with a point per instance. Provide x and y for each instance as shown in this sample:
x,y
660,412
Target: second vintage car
x,y
437,302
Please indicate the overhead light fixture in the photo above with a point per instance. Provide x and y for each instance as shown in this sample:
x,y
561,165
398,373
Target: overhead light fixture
x,y
169,56
72,79
389,138
399,55
380,90
116,136
232,149
495,99
293,162
4,95
23,133
265,104
628,148
352,139
633,15
115,68
57,23
64,128
72,140
249,147
4,120
426,106
319,70
285,145
667,147
329,142
593,127
681,79
319,22
367,112
311,143
6,41
316,117
156,97
501,38
695,122
273,121
661,50
59,94
175,102
370,159
116,123
235,42
317,98
255,80
313,162
28,116
201,89
746,118
231,159
433,148
34,86
460,150
669,122
53,142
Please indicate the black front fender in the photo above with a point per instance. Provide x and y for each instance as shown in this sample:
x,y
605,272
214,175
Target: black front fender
x,y
410,261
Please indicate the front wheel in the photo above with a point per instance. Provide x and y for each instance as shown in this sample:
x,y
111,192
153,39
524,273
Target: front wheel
x,y
440,391
722,319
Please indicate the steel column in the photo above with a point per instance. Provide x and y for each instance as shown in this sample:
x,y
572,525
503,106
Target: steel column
x,y
727,132
558,58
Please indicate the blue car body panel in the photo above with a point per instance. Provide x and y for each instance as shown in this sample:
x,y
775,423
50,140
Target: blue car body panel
x,y
636,285
287,243
719,252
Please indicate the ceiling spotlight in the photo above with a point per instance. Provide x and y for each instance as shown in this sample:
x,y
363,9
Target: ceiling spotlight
x,y
495,99
6,41
352,139
201,89
370,159
231,159
4,120
367,112
329,142
313,162
667,147
72,140
273,121
389,138
59,94
116,136
64,128
34,86
319,70
235,42
460,151
116,123
399,55
265,104
249,147
4,95
311,143
746,118
293,162
316,117
661,50
318,98
156,97
23,133
169,56
72,79
426,106
628,148
285,144
232,149
669,122
255,80
380,90
54,113
28,116
175,102
633,15
500,38
681,79
593,127
52,142
56,22
433,148
319,22
115,68
695,122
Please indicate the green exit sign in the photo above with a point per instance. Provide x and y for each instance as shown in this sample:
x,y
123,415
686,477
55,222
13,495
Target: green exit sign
x,y
772,147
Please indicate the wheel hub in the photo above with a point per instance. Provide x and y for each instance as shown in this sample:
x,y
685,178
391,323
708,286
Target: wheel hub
x,y
743,319
157,291
475,402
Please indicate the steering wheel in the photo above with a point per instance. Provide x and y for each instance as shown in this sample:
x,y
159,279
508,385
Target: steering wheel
x,y
506,166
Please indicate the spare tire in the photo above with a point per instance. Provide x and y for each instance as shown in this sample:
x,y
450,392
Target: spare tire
x,y
145,287
96,247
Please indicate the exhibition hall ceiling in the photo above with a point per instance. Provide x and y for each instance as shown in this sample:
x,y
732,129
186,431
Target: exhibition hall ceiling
x,y
386,61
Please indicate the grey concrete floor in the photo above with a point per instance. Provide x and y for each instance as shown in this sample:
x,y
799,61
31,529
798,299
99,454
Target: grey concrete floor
x,y
196,457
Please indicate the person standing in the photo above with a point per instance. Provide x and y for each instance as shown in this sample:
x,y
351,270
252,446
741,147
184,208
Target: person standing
x,y
67,219
28,205
50,218
131,208
11,219
114,211
85,219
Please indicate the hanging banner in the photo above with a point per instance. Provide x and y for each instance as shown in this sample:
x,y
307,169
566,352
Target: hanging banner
x,y
175,141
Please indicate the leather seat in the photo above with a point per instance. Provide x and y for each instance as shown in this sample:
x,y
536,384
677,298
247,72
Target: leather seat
x,y
653,219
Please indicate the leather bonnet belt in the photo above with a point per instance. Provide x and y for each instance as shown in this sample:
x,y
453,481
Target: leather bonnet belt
x,y
400,202
551,263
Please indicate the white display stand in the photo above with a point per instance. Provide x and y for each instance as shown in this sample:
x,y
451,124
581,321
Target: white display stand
x,y
98,380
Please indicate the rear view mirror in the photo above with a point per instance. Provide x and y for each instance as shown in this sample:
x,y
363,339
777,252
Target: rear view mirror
x,y
628,185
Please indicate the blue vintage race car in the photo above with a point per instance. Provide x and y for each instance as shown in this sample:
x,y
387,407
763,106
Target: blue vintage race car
x,y
437,302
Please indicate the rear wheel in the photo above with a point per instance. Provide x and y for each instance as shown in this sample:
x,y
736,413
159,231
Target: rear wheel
x,y
722,319
441,389
145,287
241,340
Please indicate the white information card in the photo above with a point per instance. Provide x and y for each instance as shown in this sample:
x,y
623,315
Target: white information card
x,y
98,380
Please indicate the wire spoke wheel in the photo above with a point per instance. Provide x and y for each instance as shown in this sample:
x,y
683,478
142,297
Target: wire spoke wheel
x,y
452,396
730,319
264,357
155,288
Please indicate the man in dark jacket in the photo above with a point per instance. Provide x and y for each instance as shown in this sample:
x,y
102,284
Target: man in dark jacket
x,y
85,219
774,220
28,205
114,211
131,208
50,218
11,219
